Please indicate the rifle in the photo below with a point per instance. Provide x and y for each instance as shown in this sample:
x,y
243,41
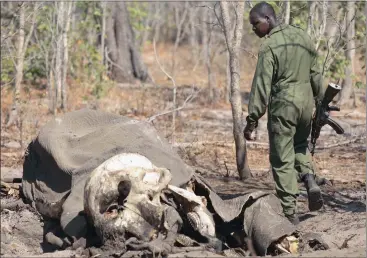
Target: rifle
x,y
322,113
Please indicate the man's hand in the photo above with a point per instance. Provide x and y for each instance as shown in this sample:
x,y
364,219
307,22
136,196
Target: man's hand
x,y
247,132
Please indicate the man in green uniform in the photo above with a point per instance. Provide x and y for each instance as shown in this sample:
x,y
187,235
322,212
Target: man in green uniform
x,y
287,83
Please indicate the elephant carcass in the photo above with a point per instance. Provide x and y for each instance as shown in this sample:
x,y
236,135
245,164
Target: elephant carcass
x,y
68,148
142,211
69,174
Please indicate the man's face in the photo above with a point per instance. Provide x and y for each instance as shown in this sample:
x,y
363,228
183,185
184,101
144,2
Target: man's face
x,y
260,25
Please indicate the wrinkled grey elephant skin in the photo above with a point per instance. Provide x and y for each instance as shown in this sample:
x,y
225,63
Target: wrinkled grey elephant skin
x,y
260,211
70,147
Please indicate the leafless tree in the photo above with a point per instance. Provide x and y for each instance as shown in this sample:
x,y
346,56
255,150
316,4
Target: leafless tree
x,y
347,89
207,43
233,41
65,48
60,7
334,27
157,20
311,13
228,79
322,27
193,32
287,15
103,31
365,11
174,110
147,24
180,15
317,31
22,44
46,46
334,35
63,12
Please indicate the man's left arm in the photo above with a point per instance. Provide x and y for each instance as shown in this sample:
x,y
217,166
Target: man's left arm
x,y
261,86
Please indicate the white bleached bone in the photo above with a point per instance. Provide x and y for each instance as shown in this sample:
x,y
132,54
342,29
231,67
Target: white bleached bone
x,y
195,207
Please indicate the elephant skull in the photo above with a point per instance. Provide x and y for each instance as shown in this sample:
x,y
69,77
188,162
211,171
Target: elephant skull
x,y
122,195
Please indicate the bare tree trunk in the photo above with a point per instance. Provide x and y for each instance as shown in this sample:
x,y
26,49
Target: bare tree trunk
x,y
66,26
147,23
311,12
204,32
59,52
48,65
334,30
19,67
179,23
207,50
287,12
22,44
321,30
208,61
228,77
233,41
157,21
193,34
335,34
51,85
103,31
325,6
347,89
52,81
92,31
124,56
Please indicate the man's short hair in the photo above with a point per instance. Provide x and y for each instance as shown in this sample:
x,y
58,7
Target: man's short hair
x,y
263,9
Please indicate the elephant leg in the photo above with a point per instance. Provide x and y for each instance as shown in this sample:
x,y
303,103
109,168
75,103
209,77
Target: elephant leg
x,y
73,220
53,235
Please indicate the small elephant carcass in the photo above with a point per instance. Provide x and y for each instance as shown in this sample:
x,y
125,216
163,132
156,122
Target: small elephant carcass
x,y
116,180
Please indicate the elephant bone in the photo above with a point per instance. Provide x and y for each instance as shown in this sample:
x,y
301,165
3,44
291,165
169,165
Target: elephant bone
x,y
195,207
139,210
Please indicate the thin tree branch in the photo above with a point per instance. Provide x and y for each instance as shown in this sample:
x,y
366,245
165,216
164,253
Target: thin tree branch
x,y
160,66
3,85
112,62
218,19
9,36
187,100
174,89
249,4
249,52
326,58
10,51
36,6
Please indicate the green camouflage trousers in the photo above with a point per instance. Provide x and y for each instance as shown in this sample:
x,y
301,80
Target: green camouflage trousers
x,y
289,125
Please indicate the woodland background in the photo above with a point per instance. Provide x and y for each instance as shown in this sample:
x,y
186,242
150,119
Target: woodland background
x,y
61,56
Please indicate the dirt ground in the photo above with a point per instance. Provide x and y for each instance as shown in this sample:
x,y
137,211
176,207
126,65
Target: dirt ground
x,y
203,137
205,141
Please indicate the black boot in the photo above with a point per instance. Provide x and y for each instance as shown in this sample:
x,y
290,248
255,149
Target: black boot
x,y
315,201
293,219
323,181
